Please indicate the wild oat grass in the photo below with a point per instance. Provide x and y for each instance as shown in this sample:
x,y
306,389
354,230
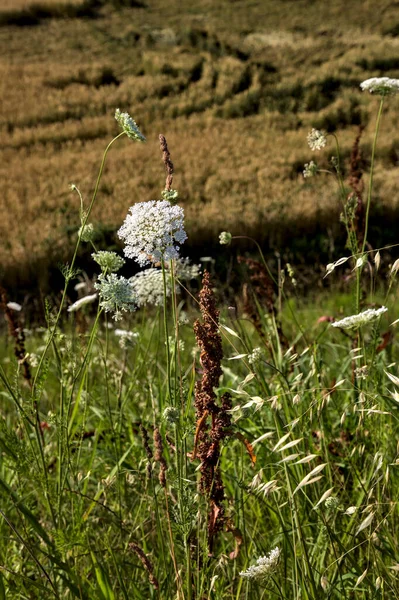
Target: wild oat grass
x,y
191,452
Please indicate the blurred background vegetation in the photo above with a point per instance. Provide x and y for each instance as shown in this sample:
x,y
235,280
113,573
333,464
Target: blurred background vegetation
x,y
234,85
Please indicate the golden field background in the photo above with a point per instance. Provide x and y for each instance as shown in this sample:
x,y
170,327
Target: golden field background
x,y
233,85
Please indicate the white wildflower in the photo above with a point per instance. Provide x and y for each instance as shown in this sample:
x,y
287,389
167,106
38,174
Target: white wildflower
x,y
355,321
151,231
385,86
148,284
14,306
225,238
148,287
109,262
116,294
87,233
82,302
185,271
126,338
264,567
129,126
310,169
316,139
255,356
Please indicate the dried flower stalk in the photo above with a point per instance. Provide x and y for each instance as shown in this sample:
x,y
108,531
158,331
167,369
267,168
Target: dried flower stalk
x,y
208,439
167,161
146,563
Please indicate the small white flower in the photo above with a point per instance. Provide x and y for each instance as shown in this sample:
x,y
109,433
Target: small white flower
x,y
14,306
316,139
152,231
385,86
225,238
82,302
355,321
126,338
310,169
116,294
129,126
264,567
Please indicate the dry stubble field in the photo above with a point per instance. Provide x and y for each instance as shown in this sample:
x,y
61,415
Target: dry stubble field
x,y
235,87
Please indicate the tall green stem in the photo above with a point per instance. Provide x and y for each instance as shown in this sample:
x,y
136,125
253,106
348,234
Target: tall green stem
x,y
70,269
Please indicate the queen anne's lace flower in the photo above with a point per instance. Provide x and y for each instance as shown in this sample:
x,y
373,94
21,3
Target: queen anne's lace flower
x,y
381,85
264,567
108,261
310,169
148,284
355,321
126,338
116,294
129,126
316,139
151,231
225,238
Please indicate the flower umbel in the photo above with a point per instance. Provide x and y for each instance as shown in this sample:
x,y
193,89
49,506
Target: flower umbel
x,y
129,126
152,231
264,567
316,139
116,294
225,238
310,169
355,321
109,262
384,86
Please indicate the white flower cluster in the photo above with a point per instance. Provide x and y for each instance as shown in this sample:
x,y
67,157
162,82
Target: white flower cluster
x,y
148,284
384,86
265,566
151,231
310,169
316,139
225,238
355,321
148,287
185,270
129,126
116,294
109,262
126,338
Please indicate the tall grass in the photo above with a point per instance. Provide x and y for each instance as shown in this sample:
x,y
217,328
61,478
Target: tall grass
x,y
168,464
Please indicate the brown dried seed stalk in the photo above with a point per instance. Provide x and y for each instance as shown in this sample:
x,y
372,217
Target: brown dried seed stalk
x,y
146,563
17,332
208,440
159,457
167,161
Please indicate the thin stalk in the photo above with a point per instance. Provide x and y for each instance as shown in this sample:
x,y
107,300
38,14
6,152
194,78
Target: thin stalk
x,y
70,269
